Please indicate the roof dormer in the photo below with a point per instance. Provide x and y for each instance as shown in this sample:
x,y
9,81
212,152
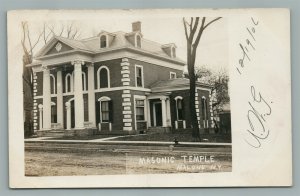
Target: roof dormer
x,y
135,37
105,39
170,49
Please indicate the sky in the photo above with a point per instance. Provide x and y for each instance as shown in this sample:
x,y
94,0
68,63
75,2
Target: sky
x,y
212,51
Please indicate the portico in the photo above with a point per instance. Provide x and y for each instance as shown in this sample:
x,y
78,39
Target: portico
x,y
75,93
159,114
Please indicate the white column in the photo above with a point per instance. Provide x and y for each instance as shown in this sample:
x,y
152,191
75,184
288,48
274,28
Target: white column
x,y
41,117
168,112
164,113
60,107
78,96
91,95
46,99
148,113
68,108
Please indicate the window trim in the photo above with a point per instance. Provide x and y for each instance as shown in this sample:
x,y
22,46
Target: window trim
x,y
104,99
176,99
136,43
140,97
106,40
205,111
54,84
135,76
174,73
69,89
173,51
98,76
84,81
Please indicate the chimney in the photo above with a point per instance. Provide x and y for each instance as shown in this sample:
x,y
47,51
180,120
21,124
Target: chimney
x,y
136,26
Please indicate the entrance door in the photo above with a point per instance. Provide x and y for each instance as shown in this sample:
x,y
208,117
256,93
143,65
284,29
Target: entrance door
x,y
158,114
72,114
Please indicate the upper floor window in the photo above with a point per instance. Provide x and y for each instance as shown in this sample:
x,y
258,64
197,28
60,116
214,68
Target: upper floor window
x,y
68,83
138,41
103,78
173,52
179,108
53,84
139,76
103,41
84,81
172,75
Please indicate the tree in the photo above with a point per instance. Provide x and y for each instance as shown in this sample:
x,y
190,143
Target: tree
x,y
218,82
219,92
29,47
193,33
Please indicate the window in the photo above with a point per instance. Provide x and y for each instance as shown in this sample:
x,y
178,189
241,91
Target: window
x,y
140,110
103,42
53,113
138,41
53,84
103,79
84,81
204,108
139,76
179,108
172,75
173,52
106,110
68,83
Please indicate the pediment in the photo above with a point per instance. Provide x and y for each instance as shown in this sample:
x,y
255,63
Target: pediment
x,y
58,47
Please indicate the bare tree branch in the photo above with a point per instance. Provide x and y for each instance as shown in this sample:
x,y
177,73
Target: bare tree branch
x,y
185,29
200,32
214,20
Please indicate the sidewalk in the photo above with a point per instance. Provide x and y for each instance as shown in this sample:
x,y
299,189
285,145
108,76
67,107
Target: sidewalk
x,y
144,143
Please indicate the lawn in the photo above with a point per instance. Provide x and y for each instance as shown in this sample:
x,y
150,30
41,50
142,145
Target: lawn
x,y
90,137
170,137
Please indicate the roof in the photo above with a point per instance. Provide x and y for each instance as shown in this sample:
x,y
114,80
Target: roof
x,y
120,40
171,83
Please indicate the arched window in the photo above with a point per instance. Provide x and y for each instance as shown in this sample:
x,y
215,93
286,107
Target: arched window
x,y
106,110
138,41
68,83
53,113
173,52
204,111
84,81
103,78
179,108
52,84
103,41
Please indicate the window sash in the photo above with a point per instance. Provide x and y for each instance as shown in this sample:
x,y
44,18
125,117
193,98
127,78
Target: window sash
x,y
140,110
105,111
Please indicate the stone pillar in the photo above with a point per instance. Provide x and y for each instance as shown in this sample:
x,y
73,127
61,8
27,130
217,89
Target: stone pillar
x,y
59,105
40,117
148,113
46,99
78,96
68,108
91,95
164,112
168,107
